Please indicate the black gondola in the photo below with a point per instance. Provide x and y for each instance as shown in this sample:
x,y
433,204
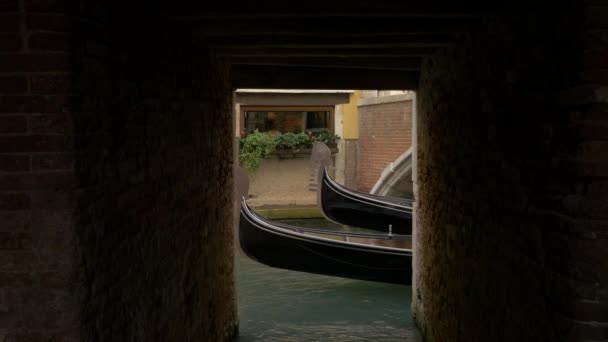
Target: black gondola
x,y
373,257
344,206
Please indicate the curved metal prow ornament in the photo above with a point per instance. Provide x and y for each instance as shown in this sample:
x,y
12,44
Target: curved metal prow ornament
x,y
321,154
320,159
242,185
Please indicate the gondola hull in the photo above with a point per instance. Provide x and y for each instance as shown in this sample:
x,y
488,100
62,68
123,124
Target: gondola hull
x,y
357,209
282,248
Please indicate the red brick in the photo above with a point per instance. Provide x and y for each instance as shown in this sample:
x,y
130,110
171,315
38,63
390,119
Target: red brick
x,y
34,143
50,124
22,104
26,297
9,6
14,201
589,310
596,59
46,5
65,337
48,41
14,163
19,62
587,169
49,22
597,76
30,322
385,133
9,22
58,104
16,279
16,260
54,279
15,241
42,181
593,150
50,84
592,132
13,84
10,42
14,221
54,161
13,124
596,17
52,200
598,111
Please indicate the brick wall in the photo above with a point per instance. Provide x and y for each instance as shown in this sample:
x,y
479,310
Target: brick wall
x,y
512,172
350,151
115,176
385,132
36,176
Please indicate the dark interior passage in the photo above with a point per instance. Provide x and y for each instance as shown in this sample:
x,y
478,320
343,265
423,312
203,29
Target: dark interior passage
x,y
116,156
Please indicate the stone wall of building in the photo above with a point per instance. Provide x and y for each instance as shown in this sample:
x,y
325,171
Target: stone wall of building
x,y
351,163
155,172
37,177
115,179
385,133
284,179
512,172
116,162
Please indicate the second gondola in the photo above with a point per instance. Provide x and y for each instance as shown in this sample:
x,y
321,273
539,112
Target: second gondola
x,y
358,209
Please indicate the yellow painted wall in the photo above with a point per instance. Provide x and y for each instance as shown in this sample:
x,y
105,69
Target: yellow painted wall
x,y
350,117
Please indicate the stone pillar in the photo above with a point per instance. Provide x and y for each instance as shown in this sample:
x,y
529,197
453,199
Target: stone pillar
x,y
37,177
116,186
511,232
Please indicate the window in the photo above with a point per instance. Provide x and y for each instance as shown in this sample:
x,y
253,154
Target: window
x,y
287,120
317,121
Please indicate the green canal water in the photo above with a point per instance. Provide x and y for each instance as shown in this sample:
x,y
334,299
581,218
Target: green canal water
x,y
279,305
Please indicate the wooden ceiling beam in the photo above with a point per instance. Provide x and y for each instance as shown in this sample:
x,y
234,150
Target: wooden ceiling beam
x,y
282,77
344,52
327,14
328,41
266,8
351,27
407,63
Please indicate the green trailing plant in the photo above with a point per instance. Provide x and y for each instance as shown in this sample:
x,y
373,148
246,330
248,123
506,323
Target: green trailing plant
x,y
326,137
292,141
255,147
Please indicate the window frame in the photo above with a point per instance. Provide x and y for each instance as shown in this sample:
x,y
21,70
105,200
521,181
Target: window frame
x,y
329,109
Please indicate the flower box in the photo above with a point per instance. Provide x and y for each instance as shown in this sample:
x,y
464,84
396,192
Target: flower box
x,y
298,153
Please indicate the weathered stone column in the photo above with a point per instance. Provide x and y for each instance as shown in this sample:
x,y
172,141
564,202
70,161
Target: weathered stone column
x,y
511,231
116,155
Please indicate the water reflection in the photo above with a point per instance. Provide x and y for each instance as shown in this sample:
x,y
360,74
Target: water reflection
x,y
279,305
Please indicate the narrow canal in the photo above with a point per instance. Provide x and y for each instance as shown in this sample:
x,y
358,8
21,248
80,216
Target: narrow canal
x,y
279,305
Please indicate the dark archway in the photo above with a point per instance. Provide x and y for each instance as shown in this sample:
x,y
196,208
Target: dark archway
x,y
116,158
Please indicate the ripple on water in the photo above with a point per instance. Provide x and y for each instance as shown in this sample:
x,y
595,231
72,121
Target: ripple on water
x,y
279,305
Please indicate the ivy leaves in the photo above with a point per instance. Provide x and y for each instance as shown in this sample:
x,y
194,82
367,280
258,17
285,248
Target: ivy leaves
x,y
258,145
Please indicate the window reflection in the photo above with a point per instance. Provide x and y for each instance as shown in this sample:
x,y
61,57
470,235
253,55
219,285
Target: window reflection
x,y
287,121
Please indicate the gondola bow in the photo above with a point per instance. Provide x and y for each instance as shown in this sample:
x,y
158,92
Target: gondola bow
x,y
345,206
373,257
